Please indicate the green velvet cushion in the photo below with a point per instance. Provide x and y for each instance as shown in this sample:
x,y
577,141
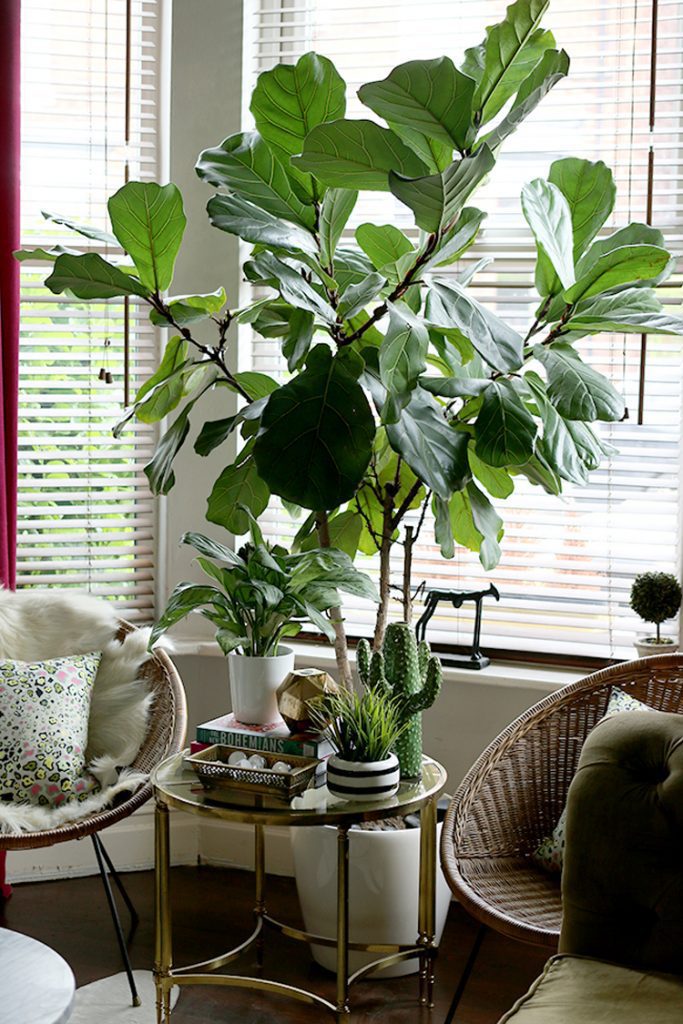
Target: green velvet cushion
x,y
622,883
577,990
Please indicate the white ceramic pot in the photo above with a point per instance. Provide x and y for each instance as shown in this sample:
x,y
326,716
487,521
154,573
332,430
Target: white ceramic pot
x,y
253,685
358,780
383,891
647,646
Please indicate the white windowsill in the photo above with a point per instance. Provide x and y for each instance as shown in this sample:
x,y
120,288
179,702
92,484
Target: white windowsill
x,y
545,678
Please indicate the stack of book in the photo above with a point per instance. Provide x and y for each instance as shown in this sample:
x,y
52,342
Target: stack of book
x,y
275,738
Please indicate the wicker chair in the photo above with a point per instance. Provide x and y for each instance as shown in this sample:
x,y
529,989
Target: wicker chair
x,y
513,795
165,736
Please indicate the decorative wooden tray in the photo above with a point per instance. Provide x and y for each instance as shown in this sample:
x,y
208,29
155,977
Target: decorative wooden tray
x,y
221,778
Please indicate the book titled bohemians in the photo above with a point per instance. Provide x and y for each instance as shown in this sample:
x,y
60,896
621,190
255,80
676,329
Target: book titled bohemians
x,y
275,738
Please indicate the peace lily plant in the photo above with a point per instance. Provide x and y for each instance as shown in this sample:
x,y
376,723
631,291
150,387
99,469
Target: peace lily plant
x,y
404,391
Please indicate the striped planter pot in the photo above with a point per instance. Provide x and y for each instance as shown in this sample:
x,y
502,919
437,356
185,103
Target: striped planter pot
x,y
354,780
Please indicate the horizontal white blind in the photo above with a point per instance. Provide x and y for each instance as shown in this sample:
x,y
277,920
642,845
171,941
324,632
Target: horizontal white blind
x,y
567,563
86,516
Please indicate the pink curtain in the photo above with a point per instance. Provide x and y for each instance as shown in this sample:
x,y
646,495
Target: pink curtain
x,y
10,144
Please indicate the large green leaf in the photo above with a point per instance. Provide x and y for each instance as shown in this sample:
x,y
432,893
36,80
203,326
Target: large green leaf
x,y
488,523
345,531
239,217
558,442
335,210
297,343
625,265
510,51
470,519
428,96
294,288
290,100
383,244
357,296
159,471
245,164
438,198
316,435
496,480
577,391
458,240
81,229
356,155
632,311
90,277
550,70
165,388
455,387
505,430
590,192
187,597
239,487
149,222
548,215
450,306
435,451
189,309
635,233
256,385
401,358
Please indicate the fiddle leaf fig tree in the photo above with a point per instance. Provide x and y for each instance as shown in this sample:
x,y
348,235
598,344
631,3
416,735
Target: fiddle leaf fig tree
x,y
405,391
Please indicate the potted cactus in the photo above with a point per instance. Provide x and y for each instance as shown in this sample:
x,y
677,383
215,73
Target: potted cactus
x,y
410,676
655,597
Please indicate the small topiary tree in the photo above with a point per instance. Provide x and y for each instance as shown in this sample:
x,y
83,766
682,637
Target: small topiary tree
x,y
655,597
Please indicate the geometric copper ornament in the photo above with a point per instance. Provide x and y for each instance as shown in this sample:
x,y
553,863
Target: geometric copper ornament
x,y
296,690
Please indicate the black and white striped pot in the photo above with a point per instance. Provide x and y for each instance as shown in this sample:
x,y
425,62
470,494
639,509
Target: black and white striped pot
x,y
355,780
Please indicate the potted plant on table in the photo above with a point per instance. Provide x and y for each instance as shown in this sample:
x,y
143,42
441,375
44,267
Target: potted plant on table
x,y
656,597
259,595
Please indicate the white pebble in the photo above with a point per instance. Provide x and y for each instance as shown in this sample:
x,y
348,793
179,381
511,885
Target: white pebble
x,y
282,767
236,757
245,763
257,761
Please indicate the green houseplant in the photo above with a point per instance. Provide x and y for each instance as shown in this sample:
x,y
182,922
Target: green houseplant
x,y
364,730
655,597
405,392
258,596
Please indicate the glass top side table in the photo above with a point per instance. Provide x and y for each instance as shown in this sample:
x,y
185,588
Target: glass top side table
x,y
177,786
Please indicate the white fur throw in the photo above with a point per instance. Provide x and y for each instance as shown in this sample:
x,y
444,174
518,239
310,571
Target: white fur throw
x,y
39,624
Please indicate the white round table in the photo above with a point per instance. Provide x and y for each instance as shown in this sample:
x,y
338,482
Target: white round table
x,y
37,985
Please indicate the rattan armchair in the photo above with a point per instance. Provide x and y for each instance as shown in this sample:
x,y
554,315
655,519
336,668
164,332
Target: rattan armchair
x,y
513,795
165,736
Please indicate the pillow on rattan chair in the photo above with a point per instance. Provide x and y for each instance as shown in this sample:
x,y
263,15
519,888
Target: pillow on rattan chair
x,y
37,625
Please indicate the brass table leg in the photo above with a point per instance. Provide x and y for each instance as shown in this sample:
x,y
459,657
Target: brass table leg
x,y
162,916
427,911
342,919
260,904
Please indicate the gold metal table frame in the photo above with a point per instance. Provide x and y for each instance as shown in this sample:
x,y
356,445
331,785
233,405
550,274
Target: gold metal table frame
x,y
177,787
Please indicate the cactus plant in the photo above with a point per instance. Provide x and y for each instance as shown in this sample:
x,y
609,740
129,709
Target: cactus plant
x,y
408,673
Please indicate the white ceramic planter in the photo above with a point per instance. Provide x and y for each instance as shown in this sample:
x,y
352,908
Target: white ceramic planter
x,y
370,780
253,685
647,646
383,891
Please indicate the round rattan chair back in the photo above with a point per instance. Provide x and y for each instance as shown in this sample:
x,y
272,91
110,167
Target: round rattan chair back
x,y
165,736
512,798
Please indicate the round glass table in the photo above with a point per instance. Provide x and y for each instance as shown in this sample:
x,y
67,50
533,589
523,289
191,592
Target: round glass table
x,y
177,786
37,985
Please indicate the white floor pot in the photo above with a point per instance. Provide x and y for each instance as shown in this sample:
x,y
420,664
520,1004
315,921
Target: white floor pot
x,y
253,685
383,890
368,780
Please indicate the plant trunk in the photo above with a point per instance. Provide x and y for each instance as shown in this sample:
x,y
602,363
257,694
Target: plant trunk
x,y
341,647
658,628
384,579
407,594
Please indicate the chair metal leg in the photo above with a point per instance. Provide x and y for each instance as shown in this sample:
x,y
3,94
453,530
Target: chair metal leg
x,y
134,917
102,862
465,976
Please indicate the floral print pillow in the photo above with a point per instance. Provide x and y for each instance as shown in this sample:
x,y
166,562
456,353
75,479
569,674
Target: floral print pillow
x,y
44,712
550,854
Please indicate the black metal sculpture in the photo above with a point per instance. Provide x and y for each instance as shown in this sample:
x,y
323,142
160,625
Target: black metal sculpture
x,y
475,659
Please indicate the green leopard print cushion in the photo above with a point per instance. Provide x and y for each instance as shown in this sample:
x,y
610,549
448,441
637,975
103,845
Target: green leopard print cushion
x,y
44,711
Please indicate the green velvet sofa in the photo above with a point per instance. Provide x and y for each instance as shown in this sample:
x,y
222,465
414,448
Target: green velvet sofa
x,y
621,945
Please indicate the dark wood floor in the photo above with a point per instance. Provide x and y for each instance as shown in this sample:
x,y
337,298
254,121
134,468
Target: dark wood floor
x,y
212,912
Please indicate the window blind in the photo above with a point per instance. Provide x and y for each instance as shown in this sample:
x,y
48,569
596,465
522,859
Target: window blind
x,y
89,123
568,563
